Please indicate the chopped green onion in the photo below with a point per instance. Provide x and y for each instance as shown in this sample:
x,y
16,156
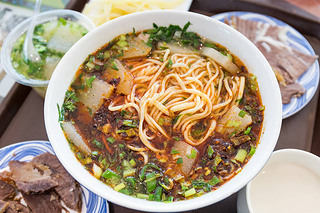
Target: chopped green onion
x,y
170,199
129,123
151,197
176,138
215,180
190,192
158,194
94,153
132,163
131,181
129,172
122,154
97,143
179,161
151,182
111,139
210,151
252,150
62,21
144,168
242,113
217,160
119,187
121,145
241,155
142,196
262,108
109,174
247,130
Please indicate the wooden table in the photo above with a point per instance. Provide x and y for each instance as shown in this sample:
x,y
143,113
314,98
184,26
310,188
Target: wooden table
x,y
21,113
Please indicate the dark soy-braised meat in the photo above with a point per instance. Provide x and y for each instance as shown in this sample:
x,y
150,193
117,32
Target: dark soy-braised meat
x,y
30,178
16,207
47,202
67,188
6,190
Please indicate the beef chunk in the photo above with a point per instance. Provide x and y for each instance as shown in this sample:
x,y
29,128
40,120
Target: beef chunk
x,y
47,202
68,189
31,178
6,190
16,207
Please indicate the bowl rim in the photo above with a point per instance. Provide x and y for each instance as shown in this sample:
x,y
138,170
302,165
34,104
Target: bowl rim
x,y
152,206
17,33
281,155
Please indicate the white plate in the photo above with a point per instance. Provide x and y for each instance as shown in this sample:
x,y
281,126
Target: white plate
x,y
26,151
309,80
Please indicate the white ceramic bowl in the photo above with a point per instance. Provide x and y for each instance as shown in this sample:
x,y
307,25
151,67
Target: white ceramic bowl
x,y
292,156
203,25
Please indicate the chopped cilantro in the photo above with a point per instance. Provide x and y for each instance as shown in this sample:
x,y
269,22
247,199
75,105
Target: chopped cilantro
x,y
174,151
179,161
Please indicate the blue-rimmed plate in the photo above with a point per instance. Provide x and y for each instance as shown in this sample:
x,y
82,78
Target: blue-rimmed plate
x,y
309,80
25,151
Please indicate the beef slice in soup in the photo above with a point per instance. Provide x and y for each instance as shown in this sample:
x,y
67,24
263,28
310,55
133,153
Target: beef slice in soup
x,y
67,188
31,178
288,64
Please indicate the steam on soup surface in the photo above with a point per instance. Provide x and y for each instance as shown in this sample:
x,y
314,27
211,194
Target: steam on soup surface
x,y
163,114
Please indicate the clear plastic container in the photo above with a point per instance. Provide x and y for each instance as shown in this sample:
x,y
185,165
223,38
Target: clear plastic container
x,y
20,29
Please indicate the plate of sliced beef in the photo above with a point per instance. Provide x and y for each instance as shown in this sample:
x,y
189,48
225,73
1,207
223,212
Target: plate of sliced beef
x,y
290,55
32,180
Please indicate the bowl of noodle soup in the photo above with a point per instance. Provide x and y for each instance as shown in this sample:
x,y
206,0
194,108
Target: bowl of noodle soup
x,y
165,106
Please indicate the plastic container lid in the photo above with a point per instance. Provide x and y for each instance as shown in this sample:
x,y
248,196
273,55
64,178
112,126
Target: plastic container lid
x,y
21,28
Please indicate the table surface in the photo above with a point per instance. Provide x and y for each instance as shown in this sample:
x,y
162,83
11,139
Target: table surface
x,y
298,131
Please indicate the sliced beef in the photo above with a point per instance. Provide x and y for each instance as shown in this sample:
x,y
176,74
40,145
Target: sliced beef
x,y
47,202
6,190
291,90
3,206
287,63
16,207
31,178
68,189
